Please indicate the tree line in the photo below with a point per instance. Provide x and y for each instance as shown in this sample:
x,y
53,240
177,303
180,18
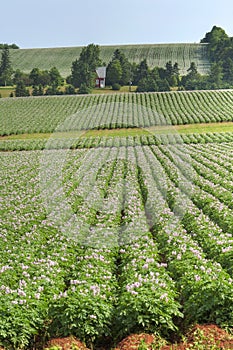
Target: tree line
x,y
220,52
121,72
10,46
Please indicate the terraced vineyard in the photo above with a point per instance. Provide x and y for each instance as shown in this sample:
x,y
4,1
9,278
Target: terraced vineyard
x,y
156,55
115,235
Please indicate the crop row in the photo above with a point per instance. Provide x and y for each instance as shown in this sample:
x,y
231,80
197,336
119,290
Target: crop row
x,y
155,54
112,240
127,141
64,113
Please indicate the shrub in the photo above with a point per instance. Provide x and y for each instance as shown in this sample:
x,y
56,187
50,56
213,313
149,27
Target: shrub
x,y
116,86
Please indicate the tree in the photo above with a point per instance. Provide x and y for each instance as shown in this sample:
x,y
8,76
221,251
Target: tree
x,y
70,90
114,72
21,76
55,77
125,66
169,69
217,39
193,80
163,85
172,73
21,90
147,84
35,76
119,70
176,70
83,69
39,77
6,70
215,76
38,90
192,71
84,89
9,46
216,34
142,71
227,70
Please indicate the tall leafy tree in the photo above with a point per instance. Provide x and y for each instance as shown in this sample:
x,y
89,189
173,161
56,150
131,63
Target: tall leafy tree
x,y
172,73
227,70
21,90
147,84
55,77
215,76
114,72
142,71
215,35
6,70
192,71
193,79
126,67
21,76
169,69
83,69
39,77
35,76
218,40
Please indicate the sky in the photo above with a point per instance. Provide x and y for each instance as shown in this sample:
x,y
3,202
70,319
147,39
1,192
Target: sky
x,y
62,23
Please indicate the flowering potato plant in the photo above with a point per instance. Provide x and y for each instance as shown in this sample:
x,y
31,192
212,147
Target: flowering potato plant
x,y
144,241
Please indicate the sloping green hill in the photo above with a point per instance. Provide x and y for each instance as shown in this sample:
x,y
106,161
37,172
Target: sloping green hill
x,y
46,114
156,55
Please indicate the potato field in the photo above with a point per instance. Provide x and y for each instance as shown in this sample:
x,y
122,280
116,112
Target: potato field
x,y
106,236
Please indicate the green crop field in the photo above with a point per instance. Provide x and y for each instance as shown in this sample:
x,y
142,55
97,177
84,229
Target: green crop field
x,y
115,219
110,111
156,55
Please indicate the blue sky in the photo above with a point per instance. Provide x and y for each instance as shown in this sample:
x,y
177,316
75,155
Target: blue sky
x,y
59,23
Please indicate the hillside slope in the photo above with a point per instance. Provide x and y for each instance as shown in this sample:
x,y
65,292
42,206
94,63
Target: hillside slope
x,y
156,55
45,114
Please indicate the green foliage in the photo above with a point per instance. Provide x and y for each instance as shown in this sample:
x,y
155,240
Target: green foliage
x,y
116,87
70,90
39,77
214,38
141,72
53,90
155,54
84,89
6,70
38,90
21,77
193,80
52,285
43,115
147,84
9,46
21,90
55,77
114,72
83,69
220,50
119,69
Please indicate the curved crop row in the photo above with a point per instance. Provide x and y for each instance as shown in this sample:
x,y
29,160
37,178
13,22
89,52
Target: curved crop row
x,y
67,113
155,54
